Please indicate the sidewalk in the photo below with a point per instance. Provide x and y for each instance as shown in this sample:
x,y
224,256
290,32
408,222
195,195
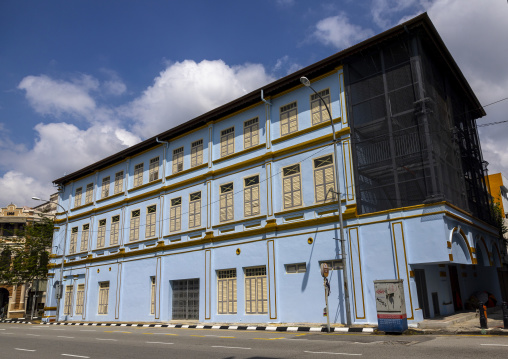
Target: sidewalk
x,y
465,323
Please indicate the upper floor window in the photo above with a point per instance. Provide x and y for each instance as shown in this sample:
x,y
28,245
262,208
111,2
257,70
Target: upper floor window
x,y
74,240
114,231
318,109
250,133
324,180
151,219
105,187
89,193
153,171
226,202
194,209
101,233
291,186
251,196
288,119
84,237
138,174
227,142
77,196
134,228
196,153
175,215
119,182
178,160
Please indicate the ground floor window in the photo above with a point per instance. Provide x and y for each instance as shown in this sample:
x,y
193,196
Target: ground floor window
x,y
256,291
69,291
152,295
226,291
103,297
80,296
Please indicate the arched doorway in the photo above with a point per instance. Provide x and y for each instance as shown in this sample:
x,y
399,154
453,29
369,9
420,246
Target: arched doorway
x,y
4,301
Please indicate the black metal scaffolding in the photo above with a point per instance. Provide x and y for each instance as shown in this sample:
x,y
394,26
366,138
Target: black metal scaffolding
x,y
413,130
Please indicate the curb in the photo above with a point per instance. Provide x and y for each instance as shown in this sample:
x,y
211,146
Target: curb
x,y
228,327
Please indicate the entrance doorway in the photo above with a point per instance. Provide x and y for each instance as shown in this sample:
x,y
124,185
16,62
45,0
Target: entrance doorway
x,y
454,282
421,288
185,299
4,301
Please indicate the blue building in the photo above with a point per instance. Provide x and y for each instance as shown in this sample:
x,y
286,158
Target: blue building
x,y
228,217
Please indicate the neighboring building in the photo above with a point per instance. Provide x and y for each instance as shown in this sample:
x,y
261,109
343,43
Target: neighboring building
x,y
17,299
227,217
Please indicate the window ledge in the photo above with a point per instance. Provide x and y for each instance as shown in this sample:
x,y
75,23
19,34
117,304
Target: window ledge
x,y
305,130
81,207
250,149
195,168
145,185
112,196
106,248
302,208
246,219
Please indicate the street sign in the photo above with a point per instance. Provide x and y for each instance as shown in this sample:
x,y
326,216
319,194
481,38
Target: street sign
x,y
324,270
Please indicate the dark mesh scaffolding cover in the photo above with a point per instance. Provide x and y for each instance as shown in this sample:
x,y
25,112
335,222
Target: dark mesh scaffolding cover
x,y
407,121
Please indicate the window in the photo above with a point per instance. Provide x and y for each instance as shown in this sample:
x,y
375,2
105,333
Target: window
x,y
255,291
291,186
175,215
80,298
119,182
103,297
317,108
115,227
138,174
178,160
151,218
226,291
251,196
226,202
101,233
77,196
152,295
105,187
196,153
74,240
332,264
296,268
153,171
84,237
134,228
194,209
250,133
68,300
227,142
324,180
89,193
288,119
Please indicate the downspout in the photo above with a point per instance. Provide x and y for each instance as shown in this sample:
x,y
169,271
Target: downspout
x,y
163,158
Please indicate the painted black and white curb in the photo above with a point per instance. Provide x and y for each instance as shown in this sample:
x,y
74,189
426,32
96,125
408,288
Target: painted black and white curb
x,y
230,327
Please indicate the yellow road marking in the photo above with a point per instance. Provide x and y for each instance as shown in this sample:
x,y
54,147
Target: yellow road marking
x,y
171,334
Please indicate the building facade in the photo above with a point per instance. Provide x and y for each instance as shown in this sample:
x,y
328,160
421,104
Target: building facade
x,y
228,217
16,299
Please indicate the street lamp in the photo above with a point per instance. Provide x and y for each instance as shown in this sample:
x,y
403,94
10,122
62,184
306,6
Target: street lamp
x,y
59,289
305,81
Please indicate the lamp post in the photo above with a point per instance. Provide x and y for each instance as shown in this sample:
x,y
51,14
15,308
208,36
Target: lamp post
x,y
305,81
59,289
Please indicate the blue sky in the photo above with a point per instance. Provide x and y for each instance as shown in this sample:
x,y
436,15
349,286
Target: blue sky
x,y
80,80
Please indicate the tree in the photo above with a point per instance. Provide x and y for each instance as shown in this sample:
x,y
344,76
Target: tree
x,y
27,257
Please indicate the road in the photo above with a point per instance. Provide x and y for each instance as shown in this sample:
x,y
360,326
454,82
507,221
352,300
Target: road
x,y
48,341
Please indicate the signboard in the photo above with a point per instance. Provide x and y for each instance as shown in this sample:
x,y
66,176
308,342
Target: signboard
x,y
390,305
324,270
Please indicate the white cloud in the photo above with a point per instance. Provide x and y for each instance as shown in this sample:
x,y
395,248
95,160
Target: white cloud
x,y
59,149
383,11
187,89
19,188
338,32
54,97
286,65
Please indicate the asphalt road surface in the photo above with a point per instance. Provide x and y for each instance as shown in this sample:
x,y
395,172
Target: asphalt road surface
x,y
49,341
